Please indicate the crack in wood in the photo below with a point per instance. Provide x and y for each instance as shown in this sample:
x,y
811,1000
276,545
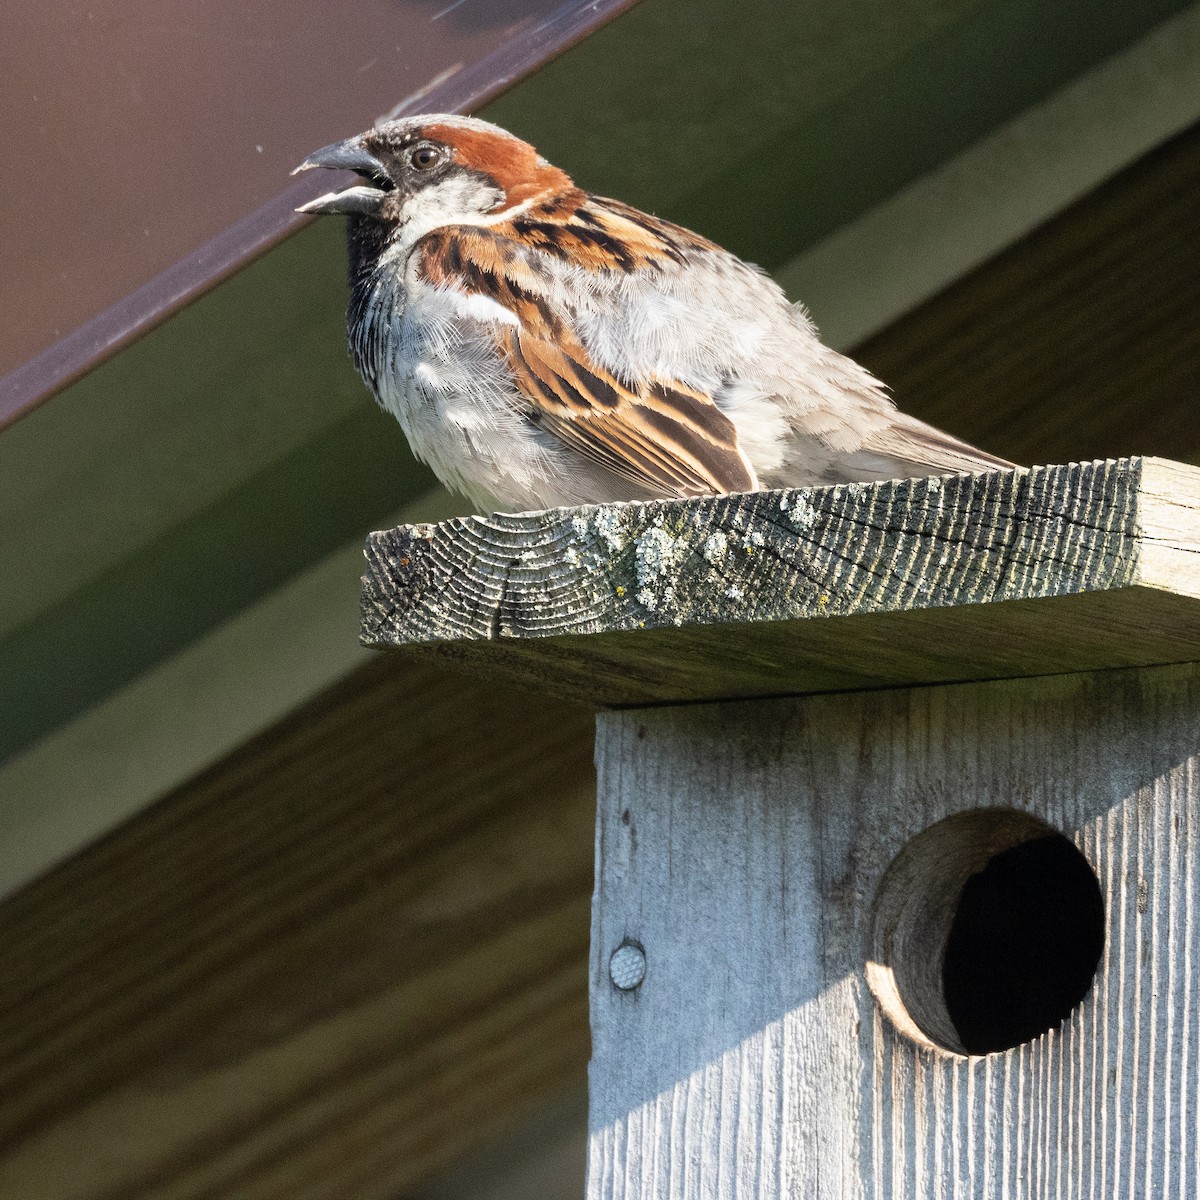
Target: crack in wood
x,y
720,596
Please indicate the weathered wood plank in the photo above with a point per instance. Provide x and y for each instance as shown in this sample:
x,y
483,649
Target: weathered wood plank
x,y
1020,572
741,845
321,969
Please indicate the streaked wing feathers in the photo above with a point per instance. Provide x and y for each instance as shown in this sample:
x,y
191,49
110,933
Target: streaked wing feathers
x,y
657,433
654,433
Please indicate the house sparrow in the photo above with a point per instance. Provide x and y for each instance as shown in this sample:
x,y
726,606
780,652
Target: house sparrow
x,y
541,346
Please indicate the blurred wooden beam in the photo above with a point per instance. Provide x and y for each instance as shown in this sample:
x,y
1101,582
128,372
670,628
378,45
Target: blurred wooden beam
x,y
939,228
1078,342
321,969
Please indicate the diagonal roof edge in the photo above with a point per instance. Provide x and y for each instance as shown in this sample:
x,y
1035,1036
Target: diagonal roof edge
x,y
90,344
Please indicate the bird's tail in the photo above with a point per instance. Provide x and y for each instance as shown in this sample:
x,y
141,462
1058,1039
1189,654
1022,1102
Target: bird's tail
x,y
908,447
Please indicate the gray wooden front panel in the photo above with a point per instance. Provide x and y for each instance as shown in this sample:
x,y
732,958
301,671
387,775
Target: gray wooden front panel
x,y
741,845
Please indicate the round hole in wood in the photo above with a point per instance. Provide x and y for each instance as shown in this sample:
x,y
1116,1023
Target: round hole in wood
x,y
986,932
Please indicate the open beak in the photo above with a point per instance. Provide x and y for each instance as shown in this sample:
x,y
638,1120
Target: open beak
x,y
349,155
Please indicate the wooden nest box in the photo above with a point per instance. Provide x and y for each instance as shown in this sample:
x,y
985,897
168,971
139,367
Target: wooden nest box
x,y
898,832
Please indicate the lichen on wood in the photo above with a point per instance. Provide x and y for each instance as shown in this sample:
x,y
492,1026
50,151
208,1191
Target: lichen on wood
x,y
585,598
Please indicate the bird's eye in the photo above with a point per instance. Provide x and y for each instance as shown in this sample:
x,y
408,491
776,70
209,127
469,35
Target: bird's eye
x,y
423,158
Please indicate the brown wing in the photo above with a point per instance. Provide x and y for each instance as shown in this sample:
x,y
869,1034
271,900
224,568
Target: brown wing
x,y
658,433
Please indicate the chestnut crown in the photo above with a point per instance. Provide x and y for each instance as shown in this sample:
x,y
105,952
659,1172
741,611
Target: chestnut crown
x,y
433,169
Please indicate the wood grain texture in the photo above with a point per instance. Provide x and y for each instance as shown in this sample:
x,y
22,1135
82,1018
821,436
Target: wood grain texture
x,y
321,969
741,845
961,577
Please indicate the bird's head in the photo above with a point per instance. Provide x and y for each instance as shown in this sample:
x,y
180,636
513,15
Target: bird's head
x,y
419,173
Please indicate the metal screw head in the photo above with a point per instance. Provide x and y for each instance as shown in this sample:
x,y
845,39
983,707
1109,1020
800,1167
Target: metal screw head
x,y
627,966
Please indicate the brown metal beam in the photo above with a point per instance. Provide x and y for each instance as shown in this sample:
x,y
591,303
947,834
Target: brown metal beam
x,y
159,145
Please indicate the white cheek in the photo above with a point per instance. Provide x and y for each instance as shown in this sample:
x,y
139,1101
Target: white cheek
x,y
457,199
